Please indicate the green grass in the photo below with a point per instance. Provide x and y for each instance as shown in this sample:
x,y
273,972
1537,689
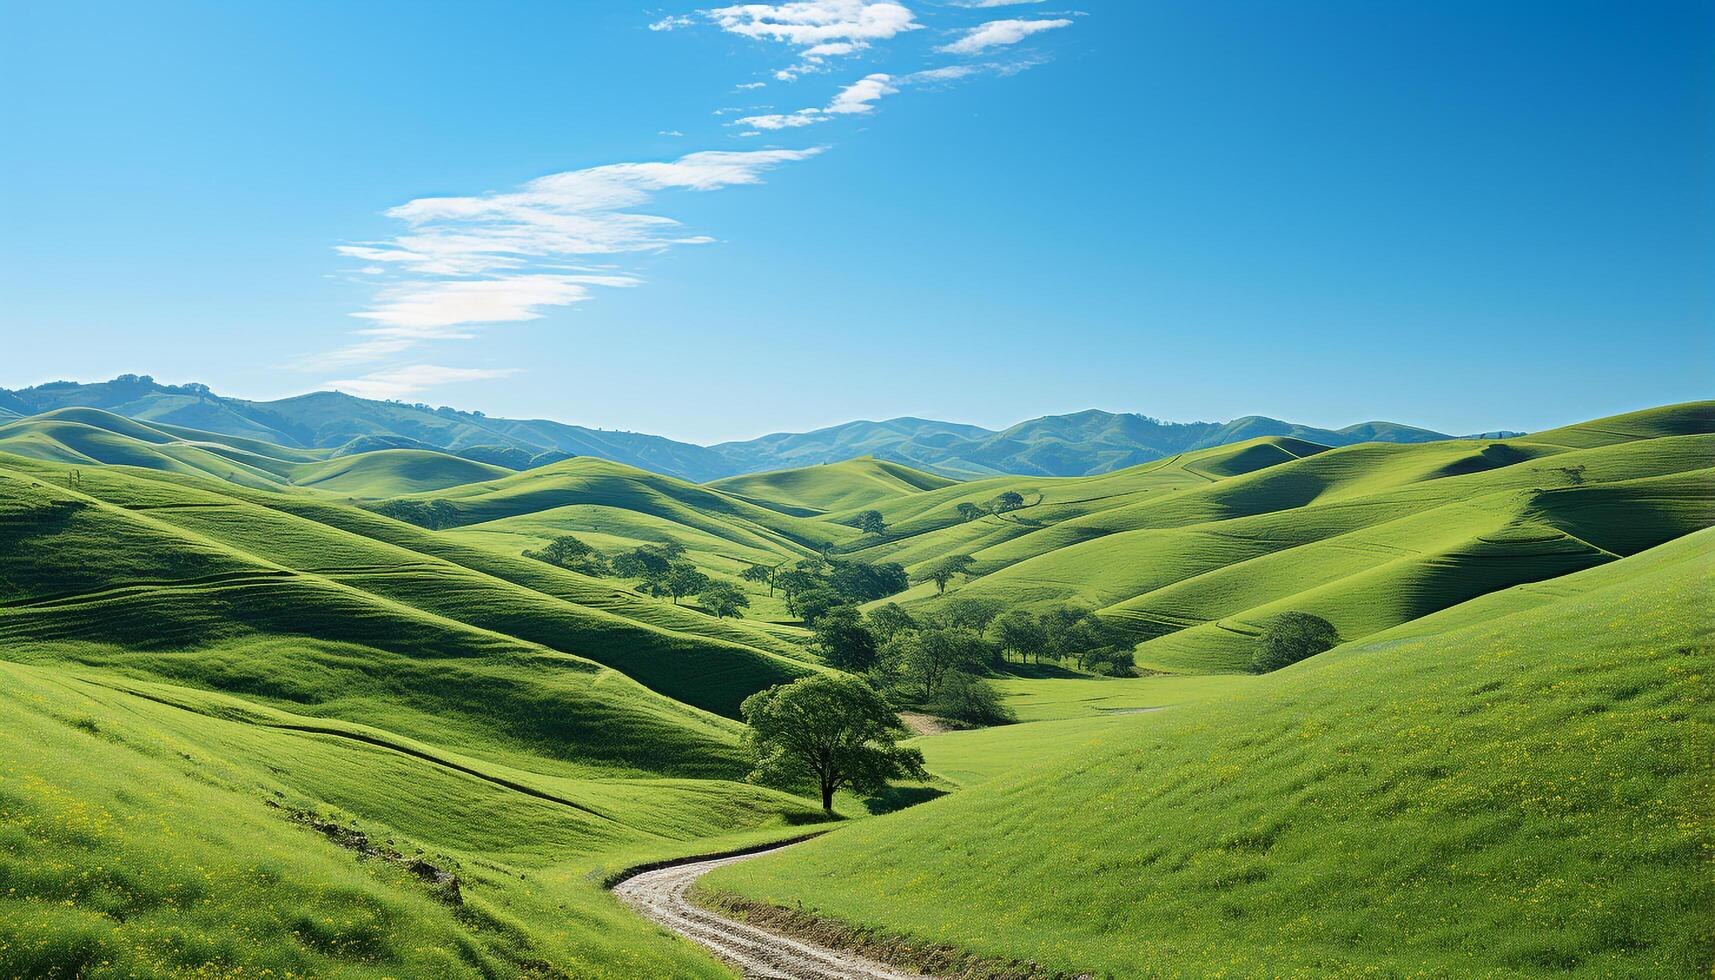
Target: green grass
x,y
851,485
89,436
146,830
186,663
1053,698
205,635
1527,789
1367,536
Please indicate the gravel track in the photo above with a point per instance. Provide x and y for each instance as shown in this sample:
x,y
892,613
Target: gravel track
x,y
662,896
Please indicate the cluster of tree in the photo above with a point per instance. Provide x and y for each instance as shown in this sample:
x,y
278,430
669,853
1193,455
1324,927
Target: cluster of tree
x,y
1003,503
936,660
432,514
1291,637
567,551
662,567
870,522
814,586
1065,633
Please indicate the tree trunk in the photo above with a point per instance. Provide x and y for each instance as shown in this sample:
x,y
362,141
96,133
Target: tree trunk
x,y
828,798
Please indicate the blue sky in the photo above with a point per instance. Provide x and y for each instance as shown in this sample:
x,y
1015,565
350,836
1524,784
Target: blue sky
x,y
714,222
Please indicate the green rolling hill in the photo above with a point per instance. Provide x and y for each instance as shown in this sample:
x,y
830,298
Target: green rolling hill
x,y
195,622
1192,555
1516,785
1081,443
849,485
92,436
177,647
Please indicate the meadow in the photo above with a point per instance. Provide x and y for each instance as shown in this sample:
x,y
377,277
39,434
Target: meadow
x,y
1514,793
254,724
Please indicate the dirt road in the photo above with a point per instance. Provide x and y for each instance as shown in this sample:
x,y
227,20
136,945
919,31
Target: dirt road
x,y
661,896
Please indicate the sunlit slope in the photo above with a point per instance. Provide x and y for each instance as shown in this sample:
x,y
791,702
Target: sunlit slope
x,y
929,525
1528,789
90,436
589,481
160,561
390,472
855,483
150,829
1651,423
1366,536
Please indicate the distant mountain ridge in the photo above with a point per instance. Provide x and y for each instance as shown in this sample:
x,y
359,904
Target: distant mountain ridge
x,y
1078,444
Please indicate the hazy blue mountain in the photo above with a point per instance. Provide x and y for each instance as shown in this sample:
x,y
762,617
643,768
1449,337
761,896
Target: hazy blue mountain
x,y
1056,445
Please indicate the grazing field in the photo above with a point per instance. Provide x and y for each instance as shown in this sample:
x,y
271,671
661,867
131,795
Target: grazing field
x,y
246,731
850,485
250,722
1524,791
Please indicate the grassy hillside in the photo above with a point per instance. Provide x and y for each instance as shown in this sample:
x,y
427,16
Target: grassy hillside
x,y
1194,554
328,420
88,436
1064,445
125,550
246,731
147,829
849,485
248,725
1528,787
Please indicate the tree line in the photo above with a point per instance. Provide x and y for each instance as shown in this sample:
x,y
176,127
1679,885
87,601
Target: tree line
x,y
936,659
811,586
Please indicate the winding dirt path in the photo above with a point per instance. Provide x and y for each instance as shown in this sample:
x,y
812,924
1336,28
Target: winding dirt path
x,y
661,896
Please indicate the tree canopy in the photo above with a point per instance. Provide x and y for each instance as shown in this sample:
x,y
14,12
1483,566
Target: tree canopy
x,y
830,731
1291,637
723,599
942,571
844,641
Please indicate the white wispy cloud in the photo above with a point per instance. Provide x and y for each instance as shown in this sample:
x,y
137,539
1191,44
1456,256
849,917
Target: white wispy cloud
x,y
861,96
991,3
858,97
505,257
999,33
403,381
672,23
819,29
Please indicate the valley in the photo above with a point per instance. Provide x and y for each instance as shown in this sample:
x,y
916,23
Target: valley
x,y
269,707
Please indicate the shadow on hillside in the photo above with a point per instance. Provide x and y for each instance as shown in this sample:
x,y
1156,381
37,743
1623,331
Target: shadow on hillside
x,y
1040,671
899,797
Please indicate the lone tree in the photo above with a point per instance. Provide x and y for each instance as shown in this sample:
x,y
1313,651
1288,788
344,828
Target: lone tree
x,y
942,572
1010,500
833,731
759,573
870,522
568,551
724,599
683,579
1291,637
969,511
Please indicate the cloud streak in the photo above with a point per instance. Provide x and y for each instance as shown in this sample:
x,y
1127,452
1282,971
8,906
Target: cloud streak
x,y
819,29
464,262
861,96
999,33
